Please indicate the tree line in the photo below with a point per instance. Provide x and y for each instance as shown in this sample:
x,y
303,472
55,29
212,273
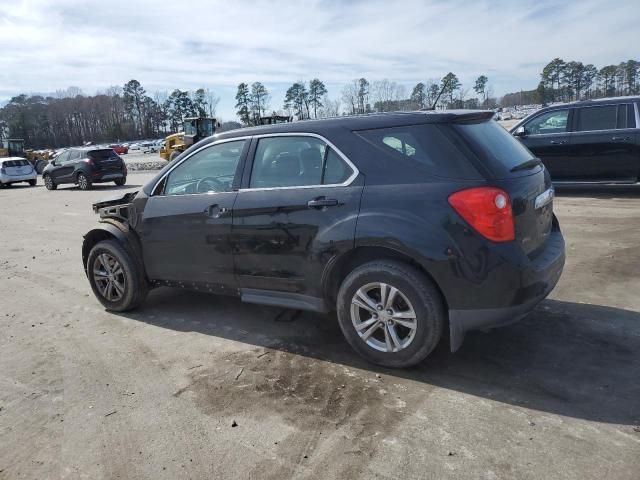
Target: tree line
x,y
304,100
129,112
71,118
562,81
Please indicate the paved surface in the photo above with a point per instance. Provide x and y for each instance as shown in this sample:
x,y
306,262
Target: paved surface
x,y
154,394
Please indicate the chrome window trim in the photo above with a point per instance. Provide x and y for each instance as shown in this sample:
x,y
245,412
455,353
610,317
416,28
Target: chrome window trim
x,y
346,183
218,142
635,107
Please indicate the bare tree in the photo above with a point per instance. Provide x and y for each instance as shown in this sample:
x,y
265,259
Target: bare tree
x,y
350,96
212,101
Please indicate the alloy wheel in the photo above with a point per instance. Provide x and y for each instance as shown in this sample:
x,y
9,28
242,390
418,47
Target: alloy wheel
x,y
48,182
383,317
109,277
82,182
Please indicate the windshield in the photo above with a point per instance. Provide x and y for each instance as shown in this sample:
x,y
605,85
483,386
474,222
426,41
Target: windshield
x,y
495,146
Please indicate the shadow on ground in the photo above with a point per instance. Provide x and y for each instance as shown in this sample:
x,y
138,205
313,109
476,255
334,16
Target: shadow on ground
x,y
570,359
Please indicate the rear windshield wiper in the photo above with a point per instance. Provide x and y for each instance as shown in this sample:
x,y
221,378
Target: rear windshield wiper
x,y
534,162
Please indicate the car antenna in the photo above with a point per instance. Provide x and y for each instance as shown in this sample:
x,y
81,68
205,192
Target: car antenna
x,y
435,102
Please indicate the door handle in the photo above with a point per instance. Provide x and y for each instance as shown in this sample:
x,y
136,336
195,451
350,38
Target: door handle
x,y
322,202
621,139
215,211
558,142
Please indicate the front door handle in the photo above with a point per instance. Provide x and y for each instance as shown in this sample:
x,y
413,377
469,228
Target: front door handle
x,y
321,202
621,139
216,211
558,142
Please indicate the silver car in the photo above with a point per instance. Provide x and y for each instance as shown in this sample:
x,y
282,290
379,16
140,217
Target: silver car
x,y
15,170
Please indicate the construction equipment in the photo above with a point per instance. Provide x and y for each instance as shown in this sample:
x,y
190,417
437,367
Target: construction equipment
x,y
15,148
194,129
273,119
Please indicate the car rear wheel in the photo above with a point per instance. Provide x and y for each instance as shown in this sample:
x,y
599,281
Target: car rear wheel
x,y
116,279
120,181
83,182
390,313
49,183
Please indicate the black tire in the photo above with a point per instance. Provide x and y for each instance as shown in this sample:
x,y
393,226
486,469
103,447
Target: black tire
x,y
4,185
33,183
421,294
49,183
121,181
135,287
83,181
173,155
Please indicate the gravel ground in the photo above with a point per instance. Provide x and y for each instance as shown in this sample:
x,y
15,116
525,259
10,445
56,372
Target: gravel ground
x,y
156,393
136,160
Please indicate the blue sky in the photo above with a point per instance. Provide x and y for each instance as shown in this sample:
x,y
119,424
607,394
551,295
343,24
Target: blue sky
x,y
48,45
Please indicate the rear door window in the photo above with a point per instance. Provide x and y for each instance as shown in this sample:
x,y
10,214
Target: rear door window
x,y
434,149
297,161
597,118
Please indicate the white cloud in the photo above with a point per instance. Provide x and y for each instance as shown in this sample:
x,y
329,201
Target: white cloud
x,y
49,45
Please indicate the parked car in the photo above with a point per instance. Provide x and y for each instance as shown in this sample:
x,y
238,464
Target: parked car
x,y
149,147
134,146
16,170
119,149
405,224
593,141
84,167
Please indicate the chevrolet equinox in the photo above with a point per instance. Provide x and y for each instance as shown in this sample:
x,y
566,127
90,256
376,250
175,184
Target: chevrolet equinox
x,y
411,226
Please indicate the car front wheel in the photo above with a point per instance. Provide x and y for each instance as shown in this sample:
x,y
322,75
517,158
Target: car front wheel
x,y
49,183
120,181
390,313
116,279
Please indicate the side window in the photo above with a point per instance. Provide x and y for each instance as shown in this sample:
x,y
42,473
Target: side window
x,y
597,118
296,161
336,170
550,122
63,158
210,170
74,155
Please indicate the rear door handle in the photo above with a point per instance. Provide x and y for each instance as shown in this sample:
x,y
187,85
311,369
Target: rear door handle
x,y
621,139
322,202
558,142
216,211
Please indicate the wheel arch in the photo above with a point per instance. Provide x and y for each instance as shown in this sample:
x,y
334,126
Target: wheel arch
x,y
337,269
119,233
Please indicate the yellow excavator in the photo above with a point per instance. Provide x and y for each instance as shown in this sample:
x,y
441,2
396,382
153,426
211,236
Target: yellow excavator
x,y
194,129
15,148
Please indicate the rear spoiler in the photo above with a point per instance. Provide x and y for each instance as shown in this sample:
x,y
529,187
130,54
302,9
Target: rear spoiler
x,y
473,116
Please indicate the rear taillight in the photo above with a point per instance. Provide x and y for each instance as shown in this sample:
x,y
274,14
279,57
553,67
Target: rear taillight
x,y
487,210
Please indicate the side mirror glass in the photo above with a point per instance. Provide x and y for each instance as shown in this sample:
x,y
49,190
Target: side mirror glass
x,y
520,132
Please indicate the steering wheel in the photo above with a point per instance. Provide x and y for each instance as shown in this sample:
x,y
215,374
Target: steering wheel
x,y
214,184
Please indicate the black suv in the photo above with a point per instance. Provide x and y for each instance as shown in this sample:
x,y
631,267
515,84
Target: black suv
x,y
407,225
594,141
84,167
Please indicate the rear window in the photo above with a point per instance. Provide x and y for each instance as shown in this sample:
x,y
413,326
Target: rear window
x,y
495,147
597,118
429,147
15,163
102,154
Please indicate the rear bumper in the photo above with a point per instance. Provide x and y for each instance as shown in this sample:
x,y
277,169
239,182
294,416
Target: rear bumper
x,y
4,178
536,282
98,177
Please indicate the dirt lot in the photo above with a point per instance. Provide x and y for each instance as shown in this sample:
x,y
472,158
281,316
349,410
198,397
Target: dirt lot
x,y
154,394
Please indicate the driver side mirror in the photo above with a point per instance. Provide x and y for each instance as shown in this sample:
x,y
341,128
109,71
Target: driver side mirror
x,y
520,132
